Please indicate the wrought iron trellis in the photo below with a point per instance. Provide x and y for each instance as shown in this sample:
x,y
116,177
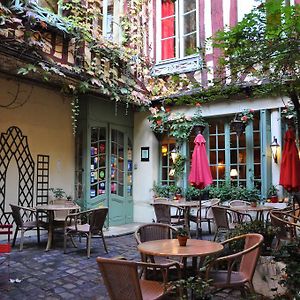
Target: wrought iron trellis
x,y
13,144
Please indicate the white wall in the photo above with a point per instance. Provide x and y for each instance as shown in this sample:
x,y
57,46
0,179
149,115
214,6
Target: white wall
x,y
45,118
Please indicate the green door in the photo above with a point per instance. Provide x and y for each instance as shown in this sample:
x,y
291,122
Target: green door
x,y
111,172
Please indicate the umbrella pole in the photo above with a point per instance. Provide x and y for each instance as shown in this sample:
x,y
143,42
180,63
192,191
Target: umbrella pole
x,y
199,227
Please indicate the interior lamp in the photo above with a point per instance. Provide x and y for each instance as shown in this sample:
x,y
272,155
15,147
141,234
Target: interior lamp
x,y
164,150
233,173
274,147
174,155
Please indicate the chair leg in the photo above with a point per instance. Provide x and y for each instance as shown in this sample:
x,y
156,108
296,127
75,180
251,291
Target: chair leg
x,y
15,236
38,234
89,240
104,243
209,226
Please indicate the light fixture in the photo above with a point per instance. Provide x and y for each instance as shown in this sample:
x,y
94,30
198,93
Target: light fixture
x,y
174,154
164,150
274,146
233,173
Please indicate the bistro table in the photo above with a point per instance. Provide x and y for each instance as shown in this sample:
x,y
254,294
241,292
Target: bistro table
x,y
259,210
170,247
50,209
185,205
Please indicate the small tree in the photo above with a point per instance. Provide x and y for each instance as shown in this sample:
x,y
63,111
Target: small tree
x,y
265,46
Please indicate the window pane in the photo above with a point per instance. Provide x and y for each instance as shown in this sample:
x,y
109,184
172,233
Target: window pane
x,y
168,48
233,157
189,5
190,22
221,171
242,156
221,142
256,155
212,142
242,140
221,157
190,45
168,27
213,158
256,139
233,138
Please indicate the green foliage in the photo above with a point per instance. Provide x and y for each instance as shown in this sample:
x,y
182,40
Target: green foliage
x,y
181,231
227,192
290,255
178,166
272,191
266,229
192,193
196,288
166,191
58,192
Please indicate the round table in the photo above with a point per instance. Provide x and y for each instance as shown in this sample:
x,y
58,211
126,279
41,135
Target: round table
x,y
259,209
50,208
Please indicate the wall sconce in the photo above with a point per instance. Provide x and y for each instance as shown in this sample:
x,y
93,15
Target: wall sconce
x,y
233,173
164,150
274,146
174,154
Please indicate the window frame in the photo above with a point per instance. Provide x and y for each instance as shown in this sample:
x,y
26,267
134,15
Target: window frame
x,y
179,31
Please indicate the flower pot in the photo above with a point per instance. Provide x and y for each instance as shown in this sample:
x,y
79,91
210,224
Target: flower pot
x,y
253,204
182,240
274,199
238,126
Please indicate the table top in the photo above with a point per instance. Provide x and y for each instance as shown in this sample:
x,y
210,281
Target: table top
x,y
182,203
251,208
170,247
67,206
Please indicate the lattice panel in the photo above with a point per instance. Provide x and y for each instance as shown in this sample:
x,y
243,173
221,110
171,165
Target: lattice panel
x,y
42,186
14,144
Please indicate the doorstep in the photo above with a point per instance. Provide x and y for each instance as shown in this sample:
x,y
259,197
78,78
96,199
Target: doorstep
x,y
119,230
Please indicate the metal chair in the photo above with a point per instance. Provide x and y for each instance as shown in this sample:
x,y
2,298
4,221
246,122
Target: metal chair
x,y
25,219
121,279
204,214
245,261
93,219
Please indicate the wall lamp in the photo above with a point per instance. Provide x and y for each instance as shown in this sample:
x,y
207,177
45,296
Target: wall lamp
x,y
274,148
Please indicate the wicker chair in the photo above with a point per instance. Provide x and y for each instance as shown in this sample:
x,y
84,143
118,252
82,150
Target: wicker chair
x,y
287,223
245,261
152,232
204,214
92,227
122,281
25,219
223,219
163,214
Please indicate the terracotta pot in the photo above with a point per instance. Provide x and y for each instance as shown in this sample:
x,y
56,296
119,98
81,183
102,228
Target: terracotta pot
x,y
182,240
274,199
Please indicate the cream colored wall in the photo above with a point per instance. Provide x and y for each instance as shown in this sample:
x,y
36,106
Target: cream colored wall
x,y
146,172
45,118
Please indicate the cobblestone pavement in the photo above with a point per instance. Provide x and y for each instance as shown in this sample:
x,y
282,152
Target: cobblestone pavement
x,y
54,275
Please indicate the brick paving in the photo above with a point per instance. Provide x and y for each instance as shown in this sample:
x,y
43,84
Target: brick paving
x,y
54,275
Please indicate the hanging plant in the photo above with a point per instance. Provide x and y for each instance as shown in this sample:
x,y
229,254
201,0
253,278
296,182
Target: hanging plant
x,y
241,120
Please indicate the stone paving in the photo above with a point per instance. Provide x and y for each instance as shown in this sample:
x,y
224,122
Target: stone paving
x,y
54,275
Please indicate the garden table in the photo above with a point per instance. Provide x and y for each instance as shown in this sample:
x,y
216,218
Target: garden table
x,y
50,209
259,210
170,248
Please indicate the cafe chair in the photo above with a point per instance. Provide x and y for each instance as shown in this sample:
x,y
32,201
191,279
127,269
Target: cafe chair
x,y
26,219
288,226
240,266
234,203
152,232
204,215
121,278
223,220
163,214
88,224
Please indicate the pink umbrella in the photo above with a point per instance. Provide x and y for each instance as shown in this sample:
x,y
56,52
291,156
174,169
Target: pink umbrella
x,y
200,175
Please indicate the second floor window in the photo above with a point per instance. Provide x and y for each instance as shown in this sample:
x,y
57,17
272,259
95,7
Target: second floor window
x,y
177,29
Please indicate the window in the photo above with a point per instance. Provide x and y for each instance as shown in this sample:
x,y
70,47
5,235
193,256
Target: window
x,y
167,171
177,29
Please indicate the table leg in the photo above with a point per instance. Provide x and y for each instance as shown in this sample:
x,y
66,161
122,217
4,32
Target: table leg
x,y
50,230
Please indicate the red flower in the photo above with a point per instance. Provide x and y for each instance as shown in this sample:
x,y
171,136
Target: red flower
x,y
168,109
244,118
158,122
198,104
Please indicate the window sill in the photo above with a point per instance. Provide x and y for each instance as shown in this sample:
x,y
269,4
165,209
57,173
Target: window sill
x,y
184,65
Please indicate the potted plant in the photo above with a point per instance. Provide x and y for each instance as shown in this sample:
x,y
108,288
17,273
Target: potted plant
x,y
159,120
272,194
182,236
58,193
241,120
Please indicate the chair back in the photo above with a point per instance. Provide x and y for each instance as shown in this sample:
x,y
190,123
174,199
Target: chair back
x,y
212,202
286,230
249,259
16,213
220,217
97,219
154,231
162,213
120,278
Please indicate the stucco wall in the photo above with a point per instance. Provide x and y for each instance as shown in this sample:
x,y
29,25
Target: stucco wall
x,y
45,118
145,173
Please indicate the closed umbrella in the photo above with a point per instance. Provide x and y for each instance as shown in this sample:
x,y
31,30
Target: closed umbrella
x,y
200,175
290,163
